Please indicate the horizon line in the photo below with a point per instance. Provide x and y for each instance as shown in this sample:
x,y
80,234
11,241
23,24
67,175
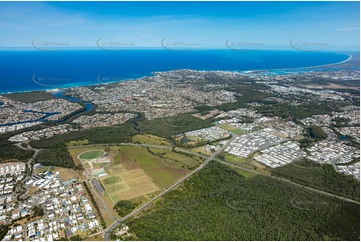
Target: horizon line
x,y
55,49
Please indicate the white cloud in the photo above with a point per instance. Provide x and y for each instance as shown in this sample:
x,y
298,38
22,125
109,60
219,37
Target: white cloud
x,y
348,28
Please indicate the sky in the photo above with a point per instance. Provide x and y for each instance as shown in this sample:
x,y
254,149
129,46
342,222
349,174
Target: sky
x,y
262,25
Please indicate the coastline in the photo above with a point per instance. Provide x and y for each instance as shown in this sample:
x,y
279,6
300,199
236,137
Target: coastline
x,y
325,65
58,89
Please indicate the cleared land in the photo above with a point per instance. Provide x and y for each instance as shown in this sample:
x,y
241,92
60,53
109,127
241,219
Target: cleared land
x,y
135,173
201,150
77,142
234,159
150,139
153,165
125,184
180,160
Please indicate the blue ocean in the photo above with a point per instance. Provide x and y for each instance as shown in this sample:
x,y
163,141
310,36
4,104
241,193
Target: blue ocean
x,y
31,70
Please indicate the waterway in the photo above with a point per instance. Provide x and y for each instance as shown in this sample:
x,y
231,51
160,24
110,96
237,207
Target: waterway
x,y
60,94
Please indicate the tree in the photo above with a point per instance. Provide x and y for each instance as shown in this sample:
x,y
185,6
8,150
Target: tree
x,y
124,207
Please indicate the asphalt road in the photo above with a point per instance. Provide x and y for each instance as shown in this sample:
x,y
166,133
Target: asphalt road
x,y
316,190
28,172
109,230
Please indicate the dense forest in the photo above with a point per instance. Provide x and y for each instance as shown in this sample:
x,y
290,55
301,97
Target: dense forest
x,y
323,177
246,94
219,204
28,97
166,127
4,228
311,135
58,156
316,133
295,113
100,135
9,151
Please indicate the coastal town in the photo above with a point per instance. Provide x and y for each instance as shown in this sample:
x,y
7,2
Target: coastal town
x,y
180,120
54,208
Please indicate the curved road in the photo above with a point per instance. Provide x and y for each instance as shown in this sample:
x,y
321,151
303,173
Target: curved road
x,y
29,170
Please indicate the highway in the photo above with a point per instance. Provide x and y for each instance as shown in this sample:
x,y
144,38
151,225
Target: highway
x,y
316,190
109,230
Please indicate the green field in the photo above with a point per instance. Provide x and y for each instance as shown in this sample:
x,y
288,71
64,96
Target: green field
x,y
232,129
173,157
115,188
172,163
112,179
153,165
77,142
150,139
232,159
92,154
99,165
115,169
246,174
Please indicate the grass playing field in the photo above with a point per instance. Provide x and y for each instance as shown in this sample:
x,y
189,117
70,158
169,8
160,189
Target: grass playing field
x,y
232,129
92,154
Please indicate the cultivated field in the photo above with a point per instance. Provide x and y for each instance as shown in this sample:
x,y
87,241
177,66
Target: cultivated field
x,y
162,174
123,184
134,173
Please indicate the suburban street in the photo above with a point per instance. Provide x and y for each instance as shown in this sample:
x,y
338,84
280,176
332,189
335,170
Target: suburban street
x,y
29,170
